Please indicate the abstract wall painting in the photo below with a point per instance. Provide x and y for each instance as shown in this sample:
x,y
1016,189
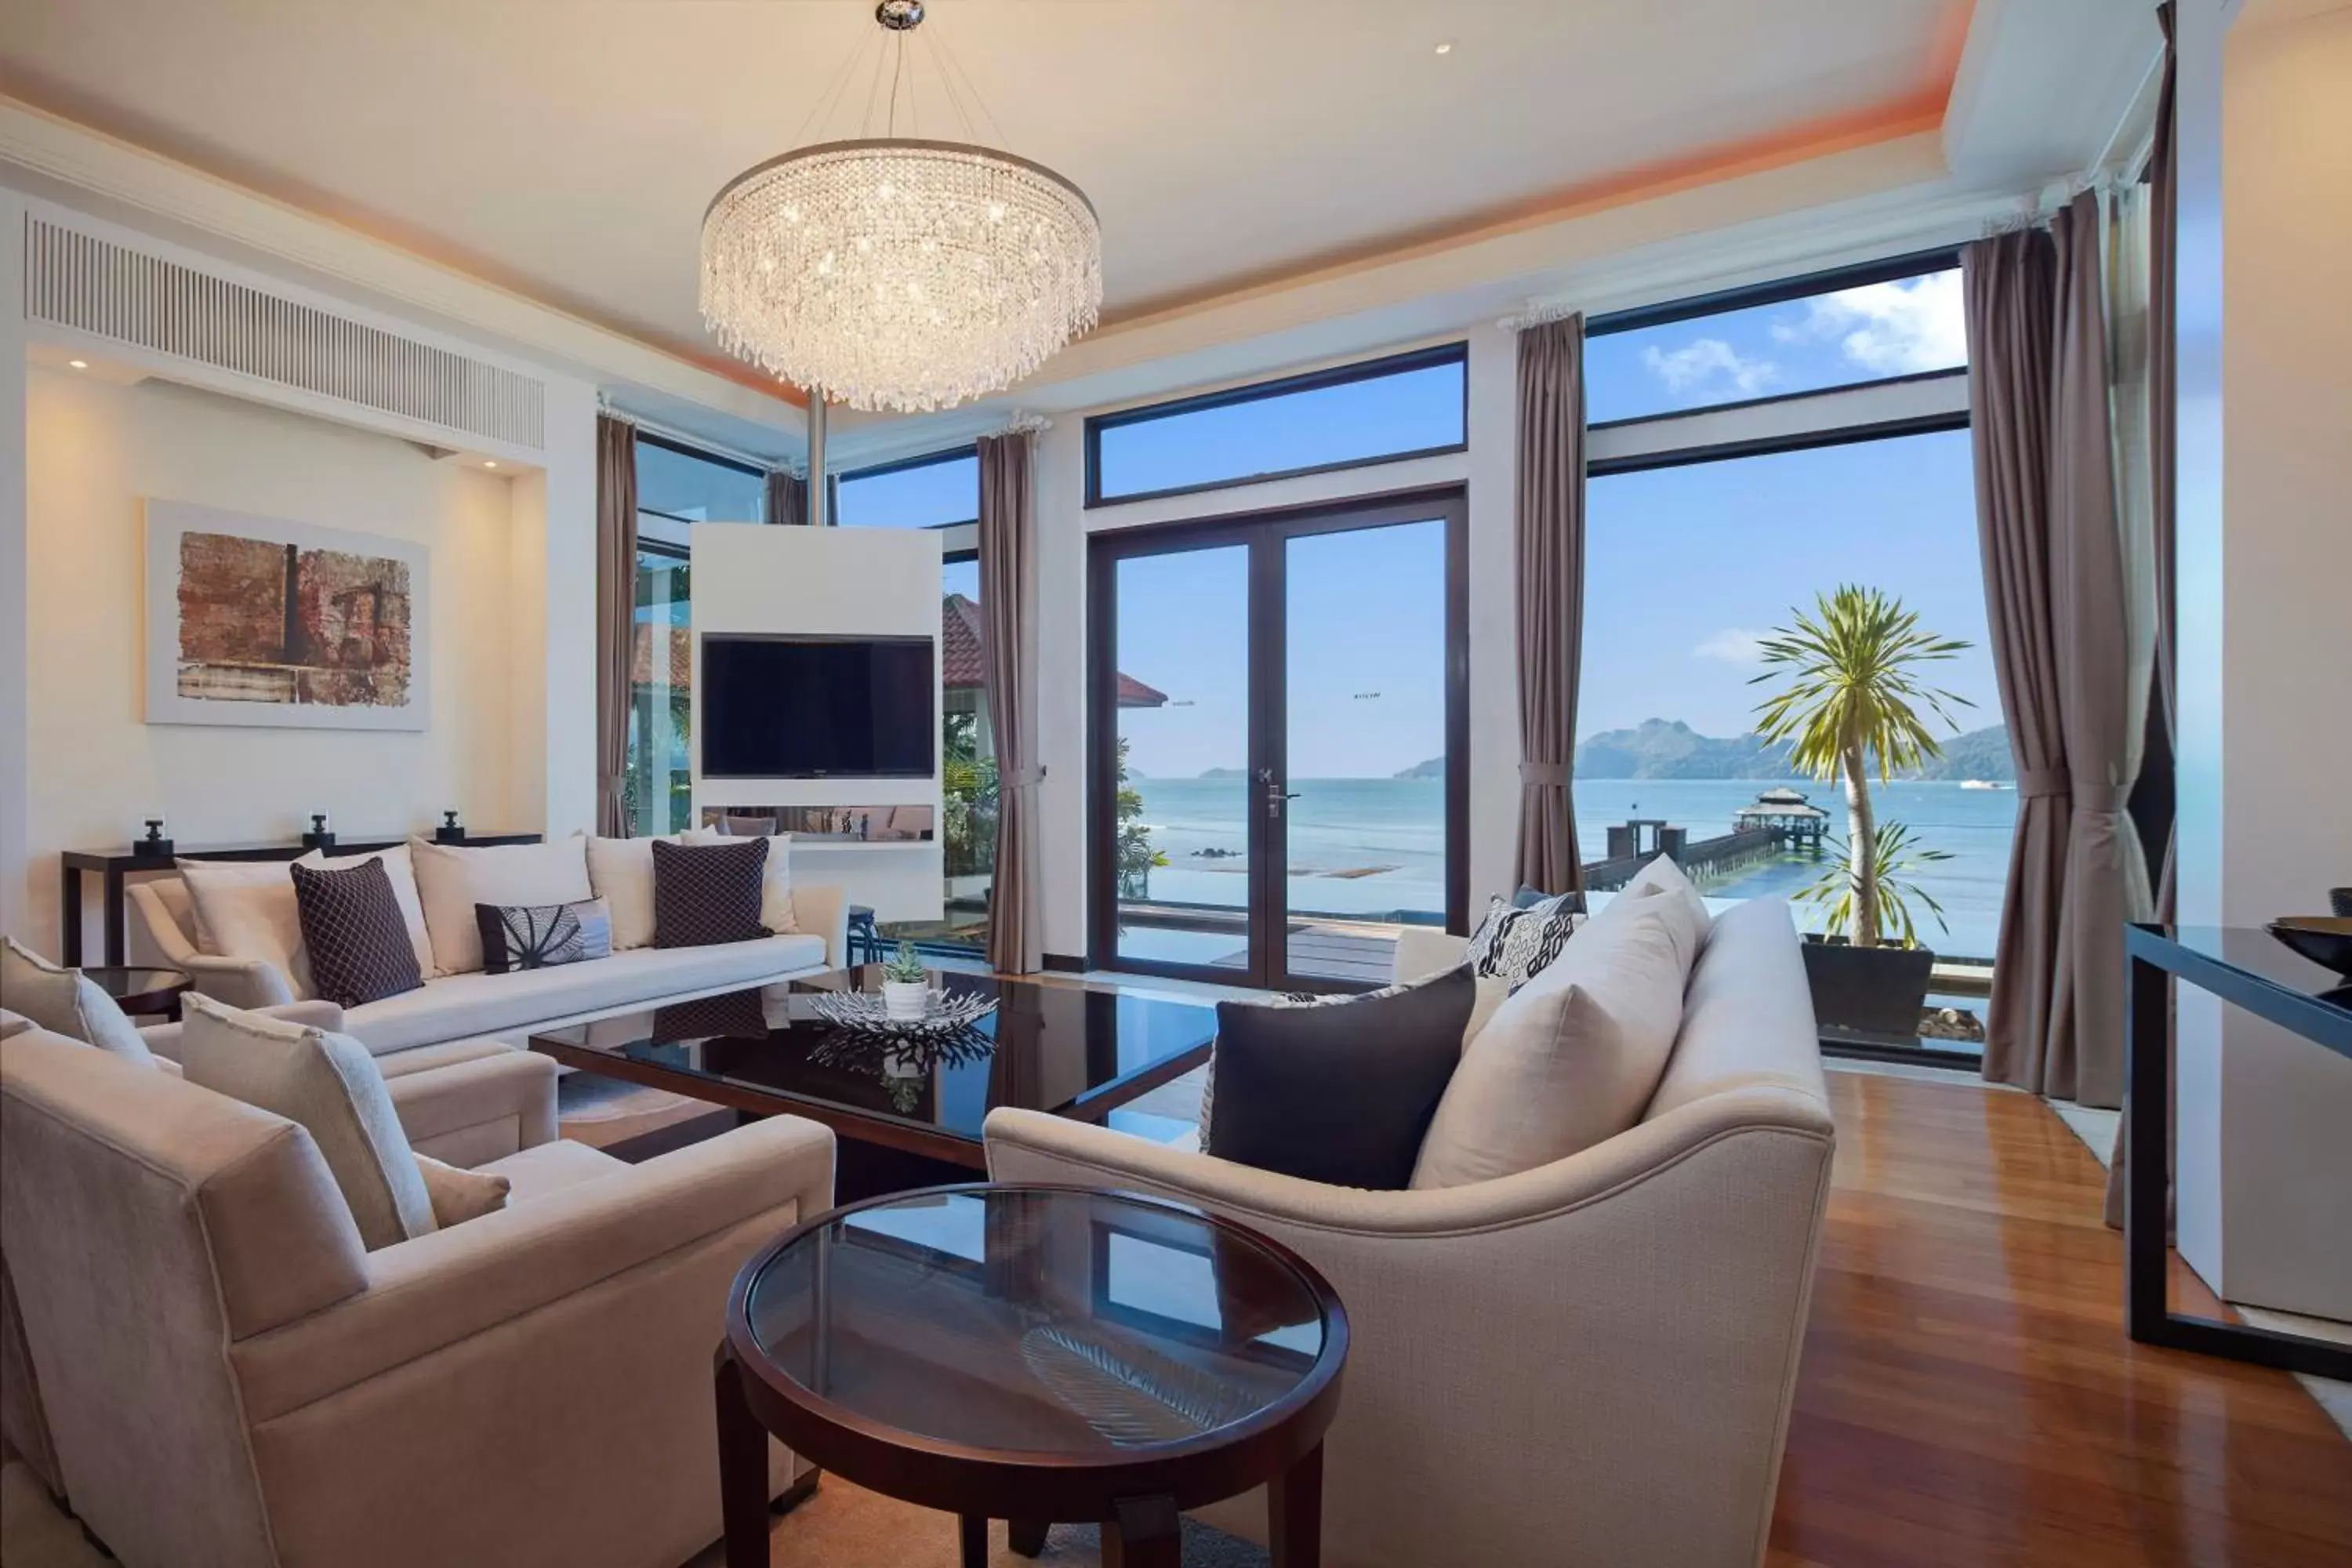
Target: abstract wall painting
x,y
253,621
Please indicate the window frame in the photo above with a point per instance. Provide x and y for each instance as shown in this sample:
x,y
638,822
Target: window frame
x,y
1456,353
899,465
1834,433
702,454
1779,291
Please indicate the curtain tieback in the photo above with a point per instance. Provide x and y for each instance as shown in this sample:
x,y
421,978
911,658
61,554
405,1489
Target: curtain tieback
x,y
1024,778
2032,783
1541,774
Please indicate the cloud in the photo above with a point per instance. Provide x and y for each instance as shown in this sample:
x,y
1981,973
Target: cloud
x,y
1890,329
1732,646
1699,363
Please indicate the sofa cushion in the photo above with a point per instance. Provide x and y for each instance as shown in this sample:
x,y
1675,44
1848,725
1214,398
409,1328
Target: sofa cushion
x,y
548,1168
1340,1093
1572,1057
459,1194
621,870
328,1084
1685,910
353,929
775,878
458,1006
452,879
66,1001
543,936
709,893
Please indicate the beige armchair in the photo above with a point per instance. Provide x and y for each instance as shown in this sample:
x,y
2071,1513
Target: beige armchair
x,y
230,1379
1584,1365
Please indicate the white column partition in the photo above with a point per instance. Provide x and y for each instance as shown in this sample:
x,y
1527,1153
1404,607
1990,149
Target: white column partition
x,y
828,582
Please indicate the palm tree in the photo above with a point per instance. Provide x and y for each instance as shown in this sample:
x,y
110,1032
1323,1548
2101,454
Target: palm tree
x,y
1854,695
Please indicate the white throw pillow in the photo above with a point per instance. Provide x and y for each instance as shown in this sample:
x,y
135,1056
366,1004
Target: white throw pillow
x,y
331,1086
1687,909
67,1002
452,879
401,872
246,910
1572,1059
460,1194
622,872
776,881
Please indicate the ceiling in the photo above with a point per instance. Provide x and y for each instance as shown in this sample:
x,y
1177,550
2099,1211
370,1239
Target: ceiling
x,y
565,149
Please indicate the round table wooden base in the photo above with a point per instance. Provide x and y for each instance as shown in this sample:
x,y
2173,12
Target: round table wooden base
x,y
1144,1533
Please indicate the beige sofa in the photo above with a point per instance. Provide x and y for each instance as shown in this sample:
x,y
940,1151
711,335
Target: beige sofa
x,y
1584,1365
456,1007
229,1379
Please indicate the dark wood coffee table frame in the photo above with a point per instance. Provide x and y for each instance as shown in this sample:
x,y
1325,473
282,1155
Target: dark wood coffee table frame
x,y
1136,1499
862,1123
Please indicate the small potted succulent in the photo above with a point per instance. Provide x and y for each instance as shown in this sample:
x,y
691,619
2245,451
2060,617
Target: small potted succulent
x,y
905,985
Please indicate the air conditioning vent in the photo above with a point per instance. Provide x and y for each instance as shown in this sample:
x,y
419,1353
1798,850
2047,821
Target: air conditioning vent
x,y
113,290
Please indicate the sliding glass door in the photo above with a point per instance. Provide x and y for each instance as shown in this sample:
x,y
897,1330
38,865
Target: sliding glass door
x,y
1279,723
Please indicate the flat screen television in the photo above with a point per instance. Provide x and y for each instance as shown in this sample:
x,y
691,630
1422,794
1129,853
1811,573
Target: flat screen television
x,y
818,708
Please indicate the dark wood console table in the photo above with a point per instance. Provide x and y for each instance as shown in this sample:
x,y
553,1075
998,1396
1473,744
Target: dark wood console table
x,y
112,866
2249,969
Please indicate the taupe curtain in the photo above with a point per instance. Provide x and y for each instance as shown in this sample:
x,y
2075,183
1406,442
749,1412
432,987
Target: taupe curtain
x,y
616,616
2010,287
2055,609
787,498
1550,541
1008,548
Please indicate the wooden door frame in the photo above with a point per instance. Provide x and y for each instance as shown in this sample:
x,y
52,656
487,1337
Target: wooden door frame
x,y
1265,534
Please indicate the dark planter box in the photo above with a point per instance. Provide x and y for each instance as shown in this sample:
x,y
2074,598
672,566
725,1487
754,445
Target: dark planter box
x,y
1875,990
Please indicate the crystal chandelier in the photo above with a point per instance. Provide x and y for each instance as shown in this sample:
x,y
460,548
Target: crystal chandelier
x,y
891,273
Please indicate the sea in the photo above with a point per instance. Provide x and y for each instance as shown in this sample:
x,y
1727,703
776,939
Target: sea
x,y
1376,848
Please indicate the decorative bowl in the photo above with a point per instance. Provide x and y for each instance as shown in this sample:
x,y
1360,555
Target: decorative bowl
x,y
2326,940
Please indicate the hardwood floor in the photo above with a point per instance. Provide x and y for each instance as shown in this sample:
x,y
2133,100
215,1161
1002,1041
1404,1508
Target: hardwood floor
x,y
1967,1395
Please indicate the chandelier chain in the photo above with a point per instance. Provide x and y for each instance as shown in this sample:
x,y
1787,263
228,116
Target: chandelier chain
x,y
955,69
822,109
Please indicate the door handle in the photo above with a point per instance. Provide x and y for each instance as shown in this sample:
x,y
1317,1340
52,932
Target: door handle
x,y
1275,794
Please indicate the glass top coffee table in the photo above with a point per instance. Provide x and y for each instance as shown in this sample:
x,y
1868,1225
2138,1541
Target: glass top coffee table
x,y
770,1051
1036,1354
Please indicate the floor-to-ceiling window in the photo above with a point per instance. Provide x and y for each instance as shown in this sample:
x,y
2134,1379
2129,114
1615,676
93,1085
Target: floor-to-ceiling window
x,y
1748,456
677,487
941,490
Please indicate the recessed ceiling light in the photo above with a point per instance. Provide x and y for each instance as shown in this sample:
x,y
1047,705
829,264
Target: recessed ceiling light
x,y
78,364
1446,46
489,462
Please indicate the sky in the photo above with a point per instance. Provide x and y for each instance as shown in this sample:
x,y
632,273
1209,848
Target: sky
x,y
1685,567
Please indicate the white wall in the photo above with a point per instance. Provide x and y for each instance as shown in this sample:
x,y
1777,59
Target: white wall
x,y
97,449
2265,1182
1064,524
828,582
16,632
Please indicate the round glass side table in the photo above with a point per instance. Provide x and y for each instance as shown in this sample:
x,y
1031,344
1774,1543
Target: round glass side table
x,y
1036,1354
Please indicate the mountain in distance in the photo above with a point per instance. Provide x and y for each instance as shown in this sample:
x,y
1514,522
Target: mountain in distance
x,y
1670,749
1222,773
1433,769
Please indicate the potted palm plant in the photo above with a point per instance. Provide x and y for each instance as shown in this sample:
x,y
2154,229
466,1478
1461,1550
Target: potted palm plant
x,y
1854,700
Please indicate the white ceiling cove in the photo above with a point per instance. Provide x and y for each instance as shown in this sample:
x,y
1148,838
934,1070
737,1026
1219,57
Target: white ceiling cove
x,y
565,149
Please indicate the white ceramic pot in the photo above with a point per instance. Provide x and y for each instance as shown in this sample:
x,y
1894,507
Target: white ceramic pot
x,y
906,1001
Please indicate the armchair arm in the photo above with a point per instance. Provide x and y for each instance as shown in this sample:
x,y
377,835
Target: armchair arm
x,y
433,1293
471,1112
163,1039
1547,1353
824,910
239,982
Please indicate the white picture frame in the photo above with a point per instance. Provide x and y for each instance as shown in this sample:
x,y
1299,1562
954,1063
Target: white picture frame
x,y
372,630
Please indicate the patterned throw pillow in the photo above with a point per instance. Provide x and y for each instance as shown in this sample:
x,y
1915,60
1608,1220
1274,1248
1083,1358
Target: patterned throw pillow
x,y
354,932
1514,944
541,936
705,894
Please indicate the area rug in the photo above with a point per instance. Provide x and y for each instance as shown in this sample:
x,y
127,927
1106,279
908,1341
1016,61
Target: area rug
x,y
846,1526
